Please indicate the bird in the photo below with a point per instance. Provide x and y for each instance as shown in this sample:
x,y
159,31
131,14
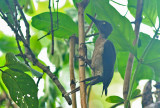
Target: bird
x,y
103,57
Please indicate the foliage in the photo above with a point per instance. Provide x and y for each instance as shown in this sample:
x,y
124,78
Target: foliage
x,y
19,83
24,91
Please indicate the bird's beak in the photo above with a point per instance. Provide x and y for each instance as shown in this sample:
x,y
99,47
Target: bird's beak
x,y
93,19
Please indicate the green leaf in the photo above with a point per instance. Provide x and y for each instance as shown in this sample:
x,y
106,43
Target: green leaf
x,y
66,26
36,73
22,88
152,59
35,45
150,68
149,13
135,93
14,64
158,9
8,8
123,34
7,44
114,99
4,4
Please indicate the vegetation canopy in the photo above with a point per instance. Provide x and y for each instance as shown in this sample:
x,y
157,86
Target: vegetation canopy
x,y
40,54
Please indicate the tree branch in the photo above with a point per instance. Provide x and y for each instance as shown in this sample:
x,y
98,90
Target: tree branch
x,y
81,7
131,56
71,68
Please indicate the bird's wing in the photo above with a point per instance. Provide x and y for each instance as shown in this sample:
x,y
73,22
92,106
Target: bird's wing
x,y
109,57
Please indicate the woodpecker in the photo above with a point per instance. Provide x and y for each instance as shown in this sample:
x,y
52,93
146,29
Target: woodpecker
x,y
104,56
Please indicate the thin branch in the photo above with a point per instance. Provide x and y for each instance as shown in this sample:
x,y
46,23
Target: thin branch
x,y
71,68
21,53
44,35
128,72
118,3
15,29
25,22
52,31
87,36
90,26
17,26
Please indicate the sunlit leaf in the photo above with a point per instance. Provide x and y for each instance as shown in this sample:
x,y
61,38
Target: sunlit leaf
x,y
35,45
114,99
22,88
65,28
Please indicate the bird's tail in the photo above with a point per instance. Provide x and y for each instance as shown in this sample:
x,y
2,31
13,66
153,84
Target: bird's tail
x,y
104,90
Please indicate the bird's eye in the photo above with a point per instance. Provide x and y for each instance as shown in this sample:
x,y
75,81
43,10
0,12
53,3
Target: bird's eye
x,y
104,22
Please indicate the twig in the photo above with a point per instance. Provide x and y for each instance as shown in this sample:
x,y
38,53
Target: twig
x,y
90,26
118,3
44,35
87,36
131,56
71,68
25,22
52,31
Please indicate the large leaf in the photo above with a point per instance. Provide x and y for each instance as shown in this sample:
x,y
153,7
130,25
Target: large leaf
x,y
66,26
158,9
149,13
22,88
150,67
152,58
123,34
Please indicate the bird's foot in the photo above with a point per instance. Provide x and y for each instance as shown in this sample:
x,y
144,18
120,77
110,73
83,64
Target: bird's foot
x,y
87,61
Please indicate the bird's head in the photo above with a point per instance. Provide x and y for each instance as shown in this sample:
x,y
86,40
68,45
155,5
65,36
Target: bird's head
x,y
103,27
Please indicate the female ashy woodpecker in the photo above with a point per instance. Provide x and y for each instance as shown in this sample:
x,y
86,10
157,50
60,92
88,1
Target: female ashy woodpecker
x,y
104,55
